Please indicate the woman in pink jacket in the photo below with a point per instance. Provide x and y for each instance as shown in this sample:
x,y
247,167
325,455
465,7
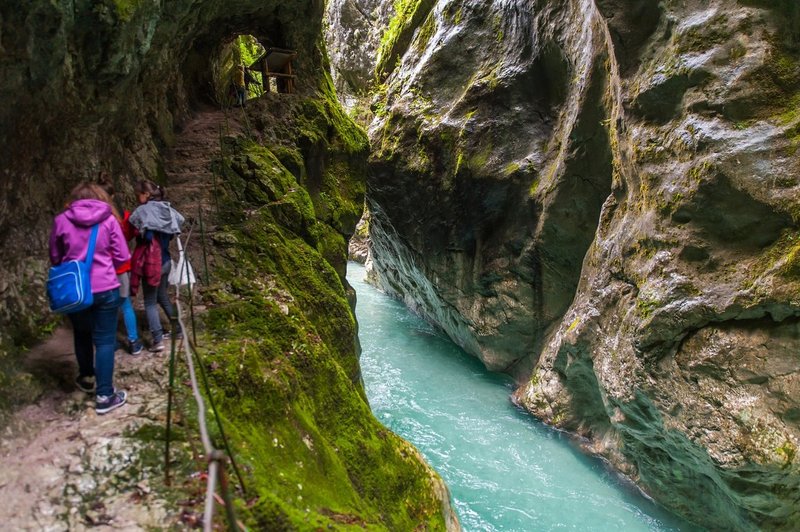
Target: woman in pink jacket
x,y
69,240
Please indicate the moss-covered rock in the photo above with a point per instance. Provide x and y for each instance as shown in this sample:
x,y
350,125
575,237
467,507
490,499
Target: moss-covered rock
x,y
284,365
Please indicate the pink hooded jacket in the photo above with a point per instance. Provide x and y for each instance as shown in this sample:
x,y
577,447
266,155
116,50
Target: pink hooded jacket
x,y
69,240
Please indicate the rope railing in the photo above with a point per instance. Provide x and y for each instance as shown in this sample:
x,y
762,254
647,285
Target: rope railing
x,y
217,459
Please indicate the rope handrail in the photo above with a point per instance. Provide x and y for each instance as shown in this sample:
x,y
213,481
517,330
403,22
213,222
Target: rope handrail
x,y
215,472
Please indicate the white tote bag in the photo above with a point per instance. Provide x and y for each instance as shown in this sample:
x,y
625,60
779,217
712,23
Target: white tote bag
x,y
181,273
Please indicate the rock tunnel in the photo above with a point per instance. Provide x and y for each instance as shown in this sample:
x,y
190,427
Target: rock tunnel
x,y
107,88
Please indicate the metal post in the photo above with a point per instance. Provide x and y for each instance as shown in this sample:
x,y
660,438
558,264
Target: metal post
x,y
191,298
173,320
203,241
226,492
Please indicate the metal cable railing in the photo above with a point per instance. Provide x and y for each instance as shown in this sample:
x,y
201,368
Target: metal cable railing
x,y
217,459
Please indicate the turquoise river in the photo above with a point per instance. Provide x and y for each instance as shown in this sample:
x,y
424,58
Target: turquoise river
x,y
505,470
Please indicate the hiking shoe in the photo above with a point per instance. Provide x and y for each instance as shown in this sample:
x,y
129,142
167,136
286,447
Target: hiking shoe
x,y
137,347
167,335
106,403
86,384
156,347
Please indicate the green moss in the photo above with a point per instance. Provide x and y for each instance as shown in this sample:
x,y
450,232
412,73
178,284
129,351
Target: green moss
x,y
248,49
534,188
459,161
408,16
497,28
784,255
288,383
126,8
511,168
791,266
480,159
705,36
425,33
776,85
788,451
281,336
574,324
646,306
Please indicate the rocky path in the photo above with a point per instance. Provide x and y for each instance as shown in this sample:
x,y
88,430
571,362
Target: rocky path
x,y
188,167
66,468
190,179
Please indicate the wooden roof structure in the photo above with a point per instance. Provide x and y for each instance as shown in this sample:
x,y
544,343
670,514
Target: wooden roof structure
x,y
277,63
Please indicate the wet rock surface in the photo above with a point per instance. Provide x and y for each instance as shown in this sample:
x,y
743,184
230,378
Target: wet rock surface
x,y
601,198
354,29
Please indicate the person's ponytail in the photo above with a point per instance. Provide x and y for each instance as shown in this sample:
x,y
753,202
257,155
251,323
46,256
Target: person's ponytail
x,y
153,191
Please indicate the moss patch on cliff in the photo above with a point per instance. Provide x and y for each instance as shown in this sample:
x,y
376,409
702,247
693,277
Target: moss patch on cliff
x,y
283,365
409,15
126,8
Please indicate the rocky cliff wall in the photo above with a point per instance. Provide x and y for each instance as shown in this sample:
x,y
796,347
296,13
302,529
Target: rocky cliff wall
x,y
353,34
103,85
106,85
602,198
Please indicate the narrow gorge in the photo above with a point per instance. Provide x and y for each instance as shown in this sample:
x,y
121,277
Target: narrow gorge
x,y
602,200
597,198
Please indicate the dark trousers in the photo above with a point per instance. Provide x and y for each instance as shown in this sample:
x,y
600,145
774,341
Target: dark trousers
x,y
154,296
95,336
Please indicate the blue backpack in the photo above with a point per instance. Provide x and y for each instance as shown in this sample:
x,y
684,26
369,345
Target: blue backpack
x,y
69,284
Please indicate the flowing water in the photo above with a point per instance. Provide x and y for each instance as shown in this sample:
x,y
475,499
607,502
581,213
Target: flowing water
x,y
505,470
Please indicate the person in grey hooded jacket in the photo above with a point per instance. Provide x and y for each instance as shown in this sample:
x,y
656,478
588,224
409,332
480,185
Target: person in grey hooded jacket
x,y
155,218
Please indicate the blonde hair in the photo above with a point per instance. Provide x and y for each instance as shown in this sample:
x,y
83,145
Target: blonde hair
x,y
104,182
87,190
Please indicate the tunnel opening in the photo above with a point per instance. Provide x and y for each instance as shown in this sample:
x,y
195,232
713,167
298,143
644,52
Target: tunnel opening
x,y
244,67
220,62
231,69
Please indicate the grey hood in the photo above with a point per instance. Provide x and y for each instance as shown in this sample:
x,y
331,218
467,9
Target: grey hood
x,y
157,216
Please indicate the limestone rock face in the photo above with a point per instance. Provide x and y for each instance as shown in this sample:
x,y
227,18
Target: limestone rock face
x,y
602,198
354,29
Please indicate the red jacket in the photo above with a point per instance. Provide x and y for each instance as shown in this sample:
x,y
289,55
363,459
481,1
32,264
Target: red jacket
x,y
130,232
146,263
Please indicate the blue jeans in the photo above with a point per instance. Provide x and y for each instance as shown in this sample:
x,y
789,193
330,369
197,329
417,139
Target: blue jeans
x,y
154,295
97,325
129,317
241,95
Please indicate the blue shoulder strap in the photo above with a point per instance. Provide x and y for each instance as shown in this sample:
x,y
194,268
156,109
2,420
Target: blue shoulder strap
x,y
90,251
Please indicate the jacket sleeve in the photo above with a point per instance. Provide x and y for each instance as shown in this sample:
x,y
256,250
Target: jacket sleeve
x,y
118,246
55,247
178,217
127,227
135,218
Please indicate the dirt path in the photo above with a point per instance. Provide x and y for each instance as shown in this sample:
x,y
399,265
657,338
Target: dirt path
x,y
66,468
63,466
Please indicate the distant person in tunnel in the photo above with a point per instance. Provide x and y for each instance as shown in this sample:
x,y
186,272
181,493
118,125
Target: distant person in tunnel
x,y
240,85
157,223
88,222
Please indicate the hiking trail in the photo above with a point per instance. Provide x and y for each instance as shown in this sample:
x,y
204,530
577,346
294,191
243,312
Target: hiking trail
x,y
67,468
